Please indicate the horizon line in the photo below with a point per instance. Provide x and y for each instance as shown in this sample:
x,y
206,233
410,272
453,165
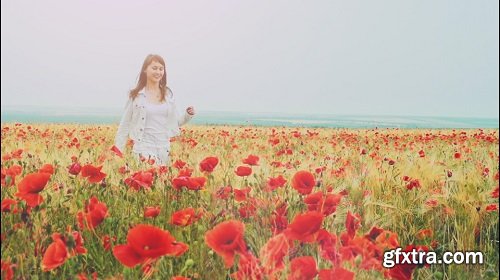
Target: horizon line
x,y
24,108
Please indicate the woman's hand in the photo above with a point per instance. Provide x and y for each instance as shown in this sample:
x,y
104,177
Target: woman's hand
x,y
190,110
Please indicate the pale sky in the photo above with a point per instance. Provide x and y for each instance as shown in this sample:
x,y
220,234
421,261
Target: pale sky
x,y
417,58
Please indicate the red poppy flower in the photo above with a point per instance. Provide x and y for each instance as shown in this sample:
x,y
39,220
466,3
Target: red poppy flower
x,y
277,164
337,273
492,207
78,245
179,164
248,268
106,242
151,211
223,192
208,164
83,276
457,155
274,183
185,172
191,183
486,172
314,201
117,151
404,271
56,254
424,233
123,169
243,171
74,168
279,222
30,186
162,169
9,272
414,183
303,268
349,251
226,239
6,157
94,214
180,182
241,195
272,254
303,182
330,203
247,209
12,172
431,203
17,153
281,208
251,160
47,168
7,204
93,173
374,233
328,244
178,249
421,153
352,223
140,179
144,242
305,226
185,217
196,183
494,193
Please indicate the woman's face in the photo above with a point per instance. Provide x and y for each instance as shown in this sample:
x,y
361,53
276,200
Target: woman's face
x,y
155,72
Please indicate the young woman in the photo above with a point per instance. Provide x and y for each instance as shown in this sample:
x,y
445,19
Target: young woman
x,y
150,118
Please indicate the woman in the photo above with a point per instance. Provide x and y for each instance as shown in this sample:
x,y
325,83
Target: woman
x,y
150,117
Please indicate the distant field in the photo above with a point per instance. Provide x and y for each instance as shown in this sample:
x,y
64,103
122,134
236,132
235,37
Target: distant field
x,y
247,203
111,116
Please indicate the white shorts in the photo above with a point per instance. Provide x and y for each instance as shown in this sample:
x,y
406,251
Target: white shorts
x,y
148,151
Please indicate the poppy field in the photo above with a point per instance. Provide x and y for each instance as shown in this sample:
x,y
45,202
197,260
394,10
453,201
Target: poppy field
x,y
244,202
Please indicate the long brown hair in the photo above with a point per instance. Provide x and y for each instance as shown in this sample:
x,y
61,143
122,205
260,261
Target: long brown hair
x,y
141,83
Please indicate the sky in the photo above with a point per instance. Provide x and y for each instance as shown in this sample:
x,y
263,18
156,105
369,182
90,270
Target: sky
x,y
390,57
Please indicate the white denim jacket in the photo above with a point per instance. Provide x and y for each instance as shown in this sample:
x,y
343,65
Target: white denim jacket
x,y
134,119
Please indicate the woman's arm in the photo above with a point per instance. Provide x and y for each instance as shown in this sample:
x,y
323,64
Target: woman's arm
x,y
124,127
182,120
185,117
